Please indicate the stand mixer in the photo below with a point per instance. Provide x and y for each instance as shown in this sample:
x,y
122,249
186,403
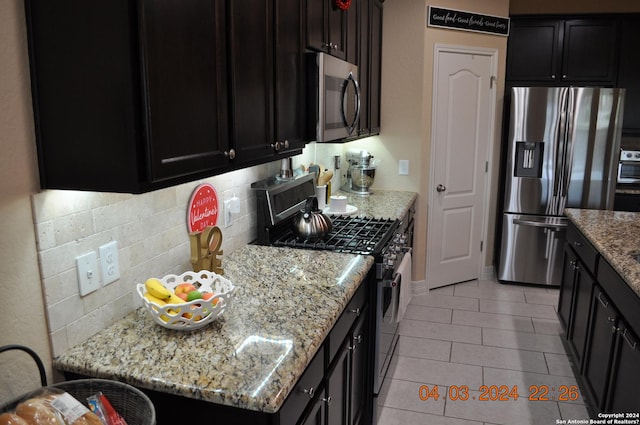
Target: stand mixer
x,y
361,172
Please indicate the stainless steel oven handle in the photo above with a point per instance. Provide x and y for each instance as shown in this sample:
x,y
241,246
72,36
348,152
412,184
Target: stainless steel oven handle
x,y
395,285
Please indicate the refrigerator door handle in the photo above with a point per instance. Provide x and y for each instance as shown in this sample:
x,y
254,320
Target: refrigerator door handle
x,y
552,226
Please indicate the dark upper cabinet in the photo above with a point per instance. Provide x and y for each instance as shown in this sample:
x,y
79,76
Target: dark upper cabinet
x,y
532,50
629,74
326,27
559,51
375,67
590,51
185,81
364,58
266,78
127,96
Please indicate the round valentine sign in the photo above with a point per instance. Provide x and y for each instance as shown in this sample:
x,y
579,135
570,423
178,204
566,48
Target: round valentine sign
x,y
203,208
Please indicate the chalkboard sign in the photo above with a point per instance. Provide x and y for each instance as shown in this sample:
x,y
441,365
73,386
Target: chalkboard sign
x,y
467,21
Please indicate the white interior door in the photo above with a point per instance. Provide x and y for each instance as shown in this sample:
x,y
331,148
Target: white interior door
x,y
462,128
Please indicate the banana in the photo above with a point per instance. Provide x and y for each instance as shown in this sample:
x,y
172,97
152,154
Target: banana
x,y
155,300
174,299
155,288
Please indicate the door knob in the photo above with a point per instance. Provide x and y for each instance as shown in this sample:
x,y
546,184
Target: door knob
x,y
441,188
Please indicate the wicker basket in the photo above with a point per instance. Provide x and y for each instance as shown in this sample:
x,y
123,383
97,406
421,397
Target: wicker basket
x,y
131,403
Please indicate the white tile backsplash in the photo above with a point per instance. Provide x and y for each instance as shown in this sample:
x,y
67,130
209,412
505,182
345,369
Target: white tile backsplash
x,y
151,230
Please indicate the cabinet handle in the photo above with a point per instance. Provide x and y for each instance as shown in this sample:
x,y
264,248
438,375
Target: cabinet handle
x,y
328,400
574,265
231,154
604,302
564,76
310,392
576,243
356,311
356,341
553,76
614,329
285,144
627,338
276,146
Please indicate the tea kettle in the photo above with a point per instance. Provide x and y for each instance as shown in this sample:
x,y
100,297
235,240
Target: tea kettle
x,y
311,224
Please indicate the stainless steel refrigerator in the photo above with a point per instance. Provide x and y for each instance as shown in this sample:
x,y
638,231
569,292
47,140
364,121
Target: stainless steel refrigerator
x,y
563,150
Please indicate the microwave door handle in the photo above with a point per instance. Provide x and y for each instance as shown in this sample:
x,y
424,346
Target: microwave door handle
x,y
351,125
358,105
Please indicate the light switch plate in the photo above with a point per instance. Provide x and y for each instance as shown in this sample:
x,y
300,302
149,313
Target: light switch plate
x,y
227,213
87,266
109,262
403,167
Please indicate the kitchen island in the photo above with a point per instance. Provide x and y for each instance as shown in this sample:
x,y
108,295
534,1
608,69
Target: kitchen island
x,y
616,236
285,304
599,307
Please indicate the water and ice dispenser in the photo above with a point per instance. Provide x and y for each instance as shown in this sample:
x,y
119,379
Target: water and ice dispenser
x,y
529,159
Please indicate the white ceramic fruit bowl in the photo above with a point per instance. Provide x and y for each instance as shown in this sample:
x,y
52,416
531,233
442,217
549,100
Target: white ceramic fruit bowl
x,y
193,314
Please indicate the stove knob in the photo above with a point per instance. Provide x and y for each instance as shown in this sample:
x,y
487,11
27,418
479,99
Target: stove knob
x,y
629,154
637,155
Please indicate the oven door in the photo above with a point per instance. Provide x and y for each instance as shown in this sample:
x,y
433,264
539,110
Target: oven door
x,y
388,290
629,172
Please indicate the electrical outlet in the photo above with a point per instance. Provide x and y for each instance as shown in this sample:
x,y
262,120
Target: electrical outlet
x,y
87,266
227,213
109,262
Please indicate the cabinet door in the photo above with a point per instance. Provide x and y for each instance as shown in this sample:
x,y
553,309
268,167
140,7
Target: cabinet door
x,y
602,326
364,46
317,413
184,55
567,284
338,20
533,50
360,341
290,78
623,395
629,76
326,27
375,71
251,83
338,388
583,286
590,50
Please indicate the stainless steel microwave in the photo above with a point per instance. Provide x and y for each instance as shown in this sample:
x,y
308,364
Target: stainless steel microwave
x,y
336,94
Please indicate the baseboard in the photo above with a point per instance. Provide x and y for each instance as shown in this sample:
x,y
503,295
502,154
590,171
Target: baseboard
x,y
419,287
488,273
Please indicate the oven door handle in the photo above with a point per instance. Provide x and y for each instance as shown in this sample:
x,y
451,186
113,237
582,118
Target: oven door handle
x,y
395,285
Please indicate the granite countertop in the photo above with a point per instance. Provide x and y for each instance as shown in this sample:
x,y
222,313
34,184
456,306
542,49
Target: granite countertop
x,y
616,235
286,301
392,204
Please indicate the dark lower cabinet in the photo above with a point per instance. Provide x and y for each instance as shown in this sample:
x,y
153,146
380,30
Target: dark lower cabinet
x,y
360,340
600,315
338,386
602,328
317,411
622,395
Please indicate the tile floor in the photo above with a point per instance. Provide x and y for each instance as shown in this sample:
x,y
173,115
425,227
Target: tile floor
x,y
473,334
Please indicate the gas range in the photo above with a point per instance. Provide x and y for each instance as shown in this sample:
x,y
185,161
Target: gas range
x,y
387,240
